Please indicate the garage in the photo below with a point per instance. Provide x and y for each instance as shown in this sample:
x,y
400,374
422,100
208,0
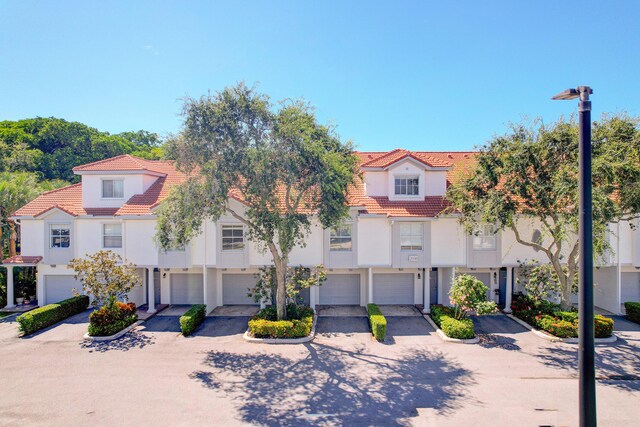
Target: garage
x,y
393,288
486,279
340,289
630,286
235,288
58,288
186,289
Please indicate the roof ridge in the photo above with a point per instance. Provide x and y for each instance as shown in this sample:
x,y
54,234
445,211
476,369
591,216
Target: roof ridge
x,y
98,162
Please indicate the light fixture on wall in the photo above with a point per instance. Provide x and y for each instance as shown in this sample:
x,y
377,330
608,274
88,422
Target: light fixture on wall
x,y
164,275
419,277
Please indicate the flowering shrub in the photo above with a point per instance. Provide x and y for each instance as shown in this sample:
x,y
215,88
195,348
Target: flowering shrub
x,y
110,319
547,316
470,294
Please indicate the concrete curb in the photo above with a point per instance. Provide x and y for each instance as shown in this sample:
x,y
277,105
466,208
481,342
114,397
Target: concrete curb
x,y
552,338
115,336
302,340
445,338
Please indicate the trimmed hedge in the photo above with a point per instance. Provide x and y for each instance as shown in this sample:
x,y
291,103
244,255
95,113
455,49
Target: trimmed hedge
x,y
633,311
190,321
35,320
444,317
377,321
299,325
108,321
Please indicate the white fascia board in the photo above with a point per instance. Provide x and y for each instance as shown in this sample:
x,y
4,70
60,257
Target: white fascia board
x,y
117,172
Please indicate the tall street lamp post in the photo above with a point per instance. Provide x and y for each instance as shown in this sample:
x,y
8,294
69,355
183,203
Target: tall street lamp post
x,y
586,352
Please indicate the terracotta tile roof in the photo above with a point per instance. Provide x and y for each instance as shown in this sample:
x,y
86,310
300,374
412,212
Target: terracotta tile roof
x,y
430,207
386,159
125,162
19,259
69,199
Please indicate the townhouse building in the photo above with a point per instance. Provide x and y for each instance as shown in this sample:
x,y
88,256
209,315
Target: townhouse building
x,y
400,245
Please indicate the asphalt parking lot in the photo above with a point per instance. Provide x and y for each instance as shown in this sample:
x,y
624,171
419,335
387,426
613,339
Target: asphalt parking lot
x,y
156,376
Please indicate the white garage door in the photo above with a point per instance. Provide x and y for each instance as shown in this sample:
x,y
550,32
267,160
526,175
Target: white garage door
x,y
340,289
186,289
58,288
393,288
235,288
630,287
486,279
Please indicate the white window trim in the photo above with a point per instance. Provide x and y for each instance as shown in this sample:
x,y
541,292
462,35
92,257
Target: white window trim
x,y
480,233
412,235
350,225
244,239
121,235
58,224
102,196
406,176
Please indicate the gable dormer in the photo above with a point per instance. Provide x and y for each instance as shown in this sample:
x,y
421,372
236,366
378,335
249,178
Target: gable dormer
x,y
405,175
112,182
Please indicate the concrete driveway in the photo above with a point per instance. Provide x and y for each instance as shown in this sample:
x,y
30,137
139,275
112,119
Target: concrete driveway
x,y
344,377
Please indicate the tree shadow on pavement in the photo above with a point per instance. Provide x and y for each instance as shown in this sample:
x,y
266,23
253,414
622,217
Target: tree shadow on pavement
x,y
497,341
333,386
131,340
617,364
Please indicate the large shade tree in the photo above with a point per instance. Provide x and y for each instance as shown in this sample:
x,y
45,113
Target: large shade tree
x,y
532,172
285,168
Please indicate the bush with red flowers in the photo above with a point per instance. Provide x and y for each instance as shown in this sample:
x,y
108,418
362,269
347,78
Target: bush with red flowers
x,y
110,319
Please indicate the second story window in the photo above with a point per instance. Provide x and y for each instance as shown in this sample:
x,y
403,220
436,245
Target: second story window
x,y
407,186
112,188
340,238
112,235
232,238
411,236
484,238
59,236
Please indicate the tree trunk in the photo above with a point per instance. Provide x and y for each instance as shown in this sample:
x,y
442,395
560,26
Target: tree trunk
x,y
13,236
280,263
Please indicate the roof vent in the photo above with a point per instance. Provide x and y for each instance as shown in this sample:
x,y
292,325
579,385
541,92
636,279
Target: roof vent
x,y
450,156
466,156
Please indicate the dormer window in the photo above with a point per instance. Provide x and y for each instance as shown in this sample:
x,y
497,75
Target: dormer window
x,y
407,186
112,188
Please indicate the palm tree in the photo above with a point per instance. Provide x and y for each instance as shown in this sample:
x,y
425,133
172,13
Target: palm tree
x,y
16,190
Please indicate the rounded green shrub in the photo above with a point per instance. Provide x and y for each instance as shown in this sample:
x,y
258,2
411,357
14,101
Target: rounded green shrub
x,y
190,321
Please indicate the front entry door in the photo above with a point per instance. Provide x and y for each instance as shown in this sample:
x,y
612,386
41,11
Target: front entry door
x,y
502,283
433,286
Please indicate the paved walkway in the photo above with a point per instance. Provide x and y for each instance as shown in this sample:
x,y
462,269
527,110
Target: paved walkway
x,y
344,377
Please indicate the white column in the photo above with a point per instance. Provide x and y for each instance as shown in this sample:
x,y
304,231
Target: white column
x,y
151,291
369,286
11,301
507,300
205,294
313,296
426,291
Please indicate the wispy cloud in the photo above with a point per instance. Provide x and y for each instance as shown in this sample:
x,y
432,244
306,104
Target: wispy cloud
x,y
151,49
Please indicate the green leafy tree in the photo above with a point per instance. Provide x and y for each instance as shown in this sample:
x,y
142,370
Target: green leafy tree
x,y
297,279
16,190
467,294
285,168
531,172
51,147
540,281
105,277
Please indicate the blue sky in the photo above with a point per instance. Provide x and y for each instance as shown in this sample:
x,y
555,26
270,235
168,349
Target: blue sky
x,y
422,75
